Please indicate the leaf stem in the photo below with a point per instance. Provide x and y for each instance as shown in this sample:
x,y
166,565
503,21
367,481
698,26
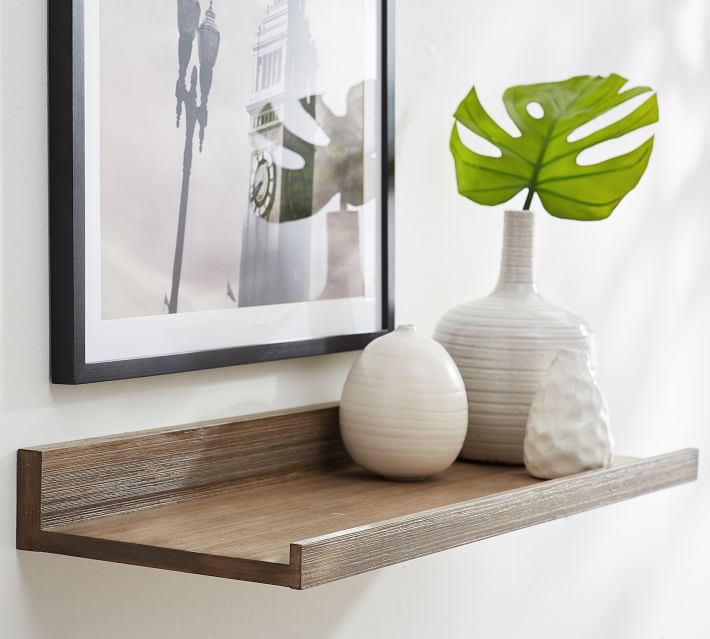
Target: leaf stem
x,y
528,201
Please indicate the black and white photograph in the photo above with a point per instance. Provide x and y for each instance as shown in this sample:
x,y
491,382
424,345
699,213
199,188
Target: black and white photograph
x,y
235,178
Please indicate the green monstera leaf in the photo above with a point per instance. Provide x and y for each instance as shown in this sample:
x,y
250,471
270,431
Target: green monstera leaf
x,y
543,159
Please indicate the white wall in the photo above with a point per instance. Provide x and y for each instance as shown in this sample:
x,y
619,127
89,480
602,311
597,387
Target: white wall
x,y
633,571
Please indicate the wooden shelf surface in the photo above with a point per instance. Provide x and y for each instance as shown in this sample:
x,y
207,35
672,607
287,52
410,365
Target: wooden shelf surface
x,y
274,499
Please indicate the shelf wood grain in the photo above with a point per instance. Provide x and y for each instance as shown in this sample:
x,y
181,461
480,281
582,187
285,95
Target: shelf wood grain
x,y
274,499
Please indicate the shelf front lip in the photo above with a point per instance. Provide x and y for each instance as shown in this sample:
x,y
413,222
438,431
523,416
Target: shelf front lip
x,y
351,552
162,558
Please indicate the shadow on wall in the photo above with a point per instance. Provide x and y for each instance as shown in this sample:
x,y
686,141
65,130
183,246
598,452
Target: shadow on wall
x,y
92,599
659,281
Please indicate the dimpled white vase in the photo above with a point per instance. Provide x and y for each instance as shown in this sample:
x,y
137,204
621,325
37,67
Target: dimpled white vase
x,y
568,427
504,344
404,412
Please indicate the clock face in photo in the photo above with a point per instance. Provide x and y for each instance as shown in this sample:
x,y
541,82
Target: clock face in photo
x,y
263,184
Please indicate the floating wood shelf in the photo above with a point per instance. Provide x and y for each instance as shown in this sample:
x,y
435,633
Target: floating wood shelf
x,y
274,499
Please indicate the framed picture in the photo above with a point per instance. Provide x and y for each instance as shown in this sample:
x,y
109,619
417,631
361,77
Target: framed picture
x,y
221,182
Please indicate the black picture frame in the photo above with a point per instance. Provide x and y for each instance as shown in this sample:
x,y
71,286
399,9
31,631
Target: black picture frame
x,y
67,222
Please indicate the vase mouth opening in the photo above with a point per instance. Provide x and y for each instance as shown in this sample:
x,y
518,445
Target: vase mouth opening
x,y
407,328
520,212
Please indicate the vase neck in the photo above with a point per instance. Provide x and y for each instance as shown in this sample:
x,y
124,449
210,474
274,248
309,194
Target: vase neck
x,y
516,267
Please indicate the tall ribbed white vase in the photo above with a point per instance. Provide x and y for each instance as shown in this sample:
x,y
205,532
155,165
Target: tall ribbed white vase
x,y
504,344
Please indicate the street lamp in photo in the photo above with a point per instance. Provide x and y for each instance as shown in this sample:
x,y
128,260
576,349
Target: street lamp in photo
x,y
188,17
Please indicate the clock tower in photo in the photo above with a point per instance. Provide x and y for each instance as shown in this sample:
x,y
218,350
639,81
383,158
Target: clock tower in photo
x,y
276,243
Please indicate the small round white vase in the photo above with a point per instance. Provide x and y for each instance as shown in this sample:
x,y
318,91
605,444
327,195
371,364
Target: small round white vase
x,y
568,427
503,345
404,411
